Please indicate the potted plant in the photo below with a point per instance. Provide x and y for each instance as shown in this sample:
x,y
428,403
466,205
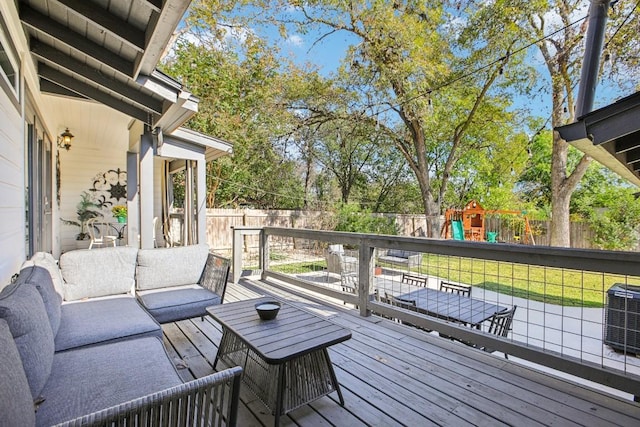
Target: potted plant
x,y
120,212
84,211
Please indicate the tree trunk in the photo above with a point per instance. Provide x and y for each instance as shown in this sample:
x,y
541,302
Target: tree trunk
x,y
560,197
431,208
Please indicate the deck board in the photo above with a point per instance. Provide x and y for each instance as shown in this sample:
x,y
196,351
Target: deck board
x,y
477,378
391,375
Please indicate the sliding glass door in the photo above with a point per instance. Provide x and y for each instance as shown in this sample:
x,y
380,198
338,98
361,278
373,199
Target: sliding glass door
x,y
38,187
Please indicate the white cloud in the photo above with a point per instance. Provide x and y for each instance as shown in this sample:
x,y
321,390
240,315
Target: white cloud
x,y
295,40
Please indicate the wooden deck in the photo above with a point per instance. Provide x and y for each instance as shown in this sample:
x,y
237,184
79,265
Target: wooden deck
x,y
393,375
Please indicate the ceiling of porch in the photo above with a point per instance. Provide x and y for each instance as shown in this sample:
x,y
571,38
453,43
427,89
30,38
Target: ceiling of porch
x,y
107,51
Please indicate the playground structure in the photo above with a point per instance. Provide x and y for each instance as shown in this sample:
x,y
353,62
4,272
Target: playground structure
x,y
470,224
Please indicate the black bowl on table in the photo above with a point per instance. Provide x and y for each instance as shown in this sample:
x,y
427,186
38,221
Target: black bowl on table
x,y
268,310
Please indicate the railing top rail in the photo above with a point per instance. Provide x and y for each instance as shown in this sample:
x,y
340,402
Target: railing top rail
x,y
615,262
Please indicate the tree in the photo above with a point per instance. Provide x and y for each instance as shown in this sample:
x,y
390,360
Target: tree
x,y
402,52
240,87
562,54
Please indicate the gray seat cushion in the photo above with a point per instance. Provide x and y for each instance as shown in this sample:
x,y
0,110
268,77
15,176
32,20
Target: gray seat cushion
x,y
396,253
92,378
41,279
394,259
22,307
98,321
177,303
16,402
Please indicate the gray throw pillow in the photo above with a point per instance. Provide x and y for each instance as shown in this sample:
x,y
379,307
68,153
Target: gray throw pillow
x,y
41,279
22,308
47,261
16,402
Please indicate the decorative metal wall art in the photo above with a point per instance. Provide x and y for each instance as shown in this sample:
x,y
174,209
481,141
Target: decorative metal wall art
x,y
109,187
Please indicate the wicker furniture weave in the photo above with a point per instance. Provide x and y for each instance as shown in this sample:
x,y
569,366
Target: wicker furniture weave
x,y
216,275
285,360
208,401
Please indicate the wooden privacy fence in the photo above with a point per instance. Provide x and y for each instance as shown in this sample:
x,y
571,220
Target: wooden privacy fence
x,y
220,223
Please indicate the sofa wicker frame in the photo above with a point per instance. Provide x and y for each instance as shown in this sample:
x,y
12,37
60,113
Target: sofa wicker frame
x,y
207,401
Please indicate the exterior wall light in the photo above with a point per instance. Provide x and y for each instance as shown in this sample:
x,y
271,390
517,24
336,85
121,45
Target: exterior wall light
x,y
64,140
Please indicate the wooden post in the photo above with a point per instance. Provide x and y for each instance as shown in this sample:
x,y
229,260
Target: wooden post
x,y
201,200
237,254
263,253
146,191
365,276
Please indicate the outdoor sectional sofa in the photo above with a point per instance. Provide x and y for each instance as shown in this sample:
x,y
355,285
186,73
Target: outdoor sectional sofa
x,y
401,257
77,347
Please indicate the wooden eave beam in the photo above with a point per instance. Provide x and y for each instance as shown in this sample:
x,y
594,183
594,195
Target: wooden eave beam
x,y
155,5
613,127
633,157
159,32
84,89
42,24
47,86
627,142
54,56
119,28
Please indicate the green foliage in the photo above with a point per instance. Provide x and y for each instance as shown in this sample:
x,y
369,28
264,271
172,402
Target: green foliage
x,y
610,207
353,219
534,183
386,130
242,100
84,211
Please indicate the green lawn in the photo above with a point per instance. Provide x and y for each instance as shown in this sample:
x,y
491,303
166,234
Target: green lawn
x,y
545,284
550,285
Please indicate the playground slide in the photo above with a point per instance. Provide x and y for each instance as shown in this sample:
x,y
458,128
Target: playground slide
x,y
457,230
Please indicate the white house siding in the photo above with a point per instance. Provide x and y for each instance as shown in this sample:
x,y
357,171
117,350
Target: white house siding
x,y
100,144
12,190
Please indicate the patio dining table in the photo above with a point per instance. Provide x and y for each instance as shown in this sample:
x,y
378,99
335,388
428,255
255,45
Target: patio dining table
x,y
443,305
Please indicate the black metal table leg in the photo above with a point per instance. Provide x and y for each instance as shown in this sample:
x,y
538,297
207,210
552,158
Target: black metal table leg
x,y
333,376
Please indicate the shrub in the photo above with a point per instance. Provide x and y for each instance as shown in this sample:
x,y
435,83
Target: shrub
x,y
352,219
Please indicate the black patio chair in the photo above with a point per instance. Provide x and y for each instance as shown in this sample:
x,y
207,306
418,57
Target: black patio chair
x,y
407,304
455,288
414,279
500,325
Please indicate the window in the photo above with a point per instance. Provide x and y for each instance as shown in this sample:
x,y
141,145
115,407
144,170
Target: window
x,y
8,64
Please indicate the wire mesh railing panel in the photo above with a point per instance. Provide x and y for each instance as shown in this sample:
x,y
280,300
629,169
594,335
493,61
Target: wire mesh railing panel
x,y
565,304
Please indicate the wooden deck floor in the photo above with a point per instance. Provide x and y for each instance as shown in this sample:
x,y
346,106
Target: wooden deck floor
x,y
393,375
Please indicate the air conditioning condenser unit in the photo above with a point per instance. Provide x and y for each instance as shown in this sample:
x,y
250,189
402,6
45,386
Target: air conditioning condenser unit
x,y
622,331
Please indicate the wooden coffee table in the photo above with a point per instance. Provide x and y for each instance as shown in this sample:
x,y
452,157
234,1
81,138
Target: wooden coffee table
x,y
285,360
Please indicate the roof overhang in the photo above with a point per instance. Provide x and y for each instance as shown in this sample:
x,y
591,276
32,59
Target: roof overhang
x,y
611,136
107,51
187,144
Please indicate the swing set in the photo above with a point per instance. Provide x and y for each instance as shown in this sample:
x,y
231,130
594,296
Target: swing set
x,y
470,224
